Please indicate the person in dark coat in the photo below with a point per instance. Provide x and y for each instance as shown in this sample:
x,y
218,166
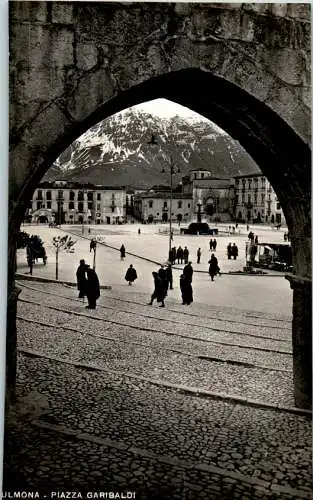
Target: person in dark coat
x,y
173,255
234,251
214,267
256,240
198,255
158,292
186,290
131,275
92,288
214,244
229,251
81,278
93,245
211,244
169,276
186,254
179,255
122,252
164,279
188,272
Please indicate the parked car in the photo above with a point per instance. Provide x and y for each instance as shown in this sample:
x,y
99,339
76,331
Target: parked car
x,y
274,256
199,228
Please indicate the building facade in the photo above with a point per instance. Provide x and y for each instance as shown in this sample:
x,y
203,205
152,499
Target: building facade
x,y
256,201
154,206
213,197
66,202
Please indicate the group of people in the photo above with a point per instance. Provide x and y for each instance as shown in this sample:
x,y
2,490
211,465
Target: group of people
x,y
163,280
181,255
232,251
253,238
88,284
213,244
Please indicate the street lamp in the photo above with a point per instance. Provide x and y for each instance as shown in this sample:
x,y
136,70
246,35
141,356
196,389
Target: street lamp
x,y
173,170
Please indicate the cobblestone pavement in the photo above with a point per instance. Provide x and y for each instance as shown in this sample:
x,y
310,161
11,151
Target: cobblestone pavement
x,y
169,403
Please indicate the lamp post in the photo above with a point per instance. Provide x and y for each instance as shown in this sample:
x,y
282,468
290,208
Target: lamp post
x,y
173,171
83,227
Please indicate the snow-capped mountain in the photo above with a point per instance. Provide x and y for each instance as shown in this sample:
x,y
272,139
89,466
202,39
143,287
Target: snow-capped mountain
x,y
117,152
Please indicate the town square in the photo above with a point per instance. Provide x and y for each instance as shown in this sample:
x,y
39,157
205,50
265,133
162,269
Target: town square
x,y
158,339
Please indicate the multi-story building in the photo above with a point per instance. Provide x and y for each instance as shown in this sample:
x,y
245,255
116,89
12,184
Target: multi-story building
x,y
66,202
213,196
255,200
153,206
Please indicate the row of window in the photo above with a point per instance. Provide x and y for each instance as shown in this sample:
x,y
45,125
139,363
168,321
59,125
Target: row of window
x,y
249,182
179,204
71,206
238,200
72,195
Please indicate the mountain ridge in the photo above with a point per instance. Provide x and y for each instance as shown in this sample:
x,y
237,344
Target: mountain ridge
x,y
117,152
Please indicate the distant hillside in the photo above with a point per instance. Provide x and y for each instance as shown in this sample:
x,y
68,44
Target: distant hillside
x,y
116,151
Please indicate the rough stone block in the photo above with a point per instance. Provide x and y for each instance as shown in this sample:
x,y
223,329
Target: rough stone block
x,y
30,11
41,83
43,45
279,9
86,56
46,128
299,11
62,13
287,64
92,91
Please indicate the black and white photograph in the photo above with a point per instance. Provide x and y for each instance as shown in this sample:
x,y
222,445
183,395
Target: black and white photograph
x,y
158,327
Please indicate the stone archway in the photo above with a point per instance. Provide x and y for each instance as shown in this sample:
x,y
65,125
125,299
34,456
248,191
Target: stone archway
x,y
220,60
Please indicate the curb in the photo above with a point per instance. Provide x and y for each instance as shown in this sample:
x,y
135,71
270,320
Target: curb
x,y
25,277
170,460
196,391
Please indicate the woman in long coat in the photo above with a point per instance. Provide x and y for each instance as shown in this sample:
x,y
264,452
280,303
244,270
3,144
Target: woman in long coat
x,y
81,279
131,274
213,268
122,252
92,288
186,290
159,291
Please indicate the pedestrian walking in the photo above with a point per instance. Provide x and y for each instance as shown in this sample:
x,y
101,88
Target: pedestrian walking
x,y
188,272
122,252
93,245
213,267
169,275
179,255
81,279
92,288
256,240
248,228
198,255
186,290
234,251
211,244
186,255
164,279
158,292
131,275
214,244
139,232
